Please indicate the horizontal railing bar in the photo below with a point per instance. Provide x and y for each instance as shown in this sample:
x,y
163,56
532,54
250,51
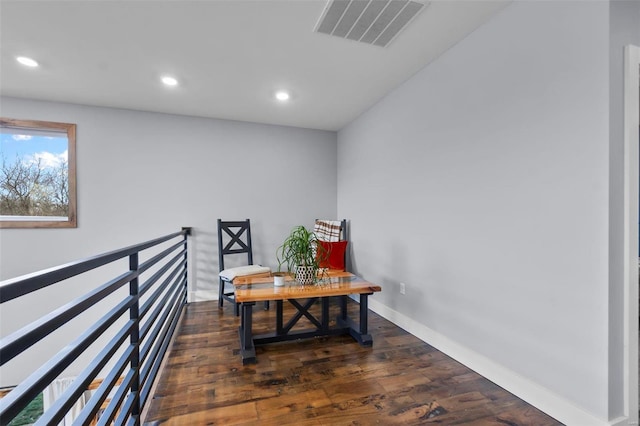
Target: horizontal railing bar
x,y
27,336
125,411
112,409
92,407
157,361
151,301
148,283
179,268
132,422
158,257
59,409
161,320
147,350
22,394
19,286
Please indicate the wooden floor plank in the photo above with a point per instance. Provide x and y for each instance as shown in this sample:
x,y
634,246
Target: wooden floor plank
x,y
322,381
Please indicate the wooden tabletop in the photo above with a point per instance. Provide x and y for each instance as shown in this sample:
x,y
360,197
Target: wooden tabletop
x,y
257,288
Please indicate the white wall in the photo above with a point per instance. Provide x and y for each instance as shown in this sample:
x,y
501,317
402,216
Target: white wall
x,y
624,21
482,183
142,175
495,158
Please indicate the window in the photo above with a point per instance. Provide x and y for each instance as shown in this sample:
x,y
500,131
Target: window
x,y
37,174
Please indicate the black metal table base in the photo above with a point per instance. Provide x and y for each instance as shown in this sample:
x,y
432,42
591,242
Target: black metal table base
x,y
283,333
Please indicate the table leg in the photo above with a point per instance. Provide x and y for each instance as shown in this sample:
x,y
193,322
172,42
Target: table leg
x,y
360,332
343,307
247,349
363,335
279,329
364,313
325,313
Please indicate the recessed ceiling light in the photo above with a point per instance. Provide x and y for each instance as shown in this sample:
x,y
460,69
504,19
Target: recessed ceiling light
x,y
282,95
27,61
169,81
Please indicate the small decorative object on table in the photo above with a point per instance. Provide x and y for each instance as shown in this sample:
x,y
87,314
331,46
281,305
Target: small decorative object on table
x,y
302,254
278,279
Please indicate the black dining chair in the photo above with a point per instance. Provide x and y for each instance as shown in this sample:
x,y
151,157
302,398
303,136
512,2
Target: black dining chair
x,y
234,239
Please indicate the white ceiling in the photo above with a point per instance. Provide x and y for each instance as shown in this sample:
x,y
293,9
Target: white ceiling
x,y
229,56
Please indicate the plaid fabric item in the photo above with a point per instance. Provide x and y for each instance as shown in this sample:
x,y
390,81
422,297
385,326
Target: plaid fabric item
x,y
327,230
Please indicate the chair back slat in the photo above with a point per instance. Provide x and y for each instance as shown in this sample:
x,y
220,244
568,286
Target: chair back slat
x,y
238,234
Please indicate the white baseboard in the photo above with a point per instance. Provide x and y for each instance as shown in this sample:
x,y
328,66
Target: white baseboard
x,y
525,389
203,296
621,421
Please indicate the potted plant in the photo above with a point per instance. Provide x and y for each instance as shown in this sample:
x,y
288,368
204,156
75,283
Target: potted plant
x,y
302,254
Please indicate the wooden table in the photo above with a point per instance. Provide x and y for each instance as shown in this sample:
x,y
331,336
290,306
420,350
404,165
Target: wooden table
x,y
252,289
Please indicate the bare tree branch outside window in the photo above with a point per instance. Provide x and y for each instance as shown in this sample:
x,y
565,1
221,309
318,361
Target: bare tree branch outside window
x,y
37,174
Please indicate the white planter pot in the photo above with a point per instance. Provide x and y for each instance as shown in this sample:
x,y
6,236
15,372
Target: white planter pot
x,y
278,280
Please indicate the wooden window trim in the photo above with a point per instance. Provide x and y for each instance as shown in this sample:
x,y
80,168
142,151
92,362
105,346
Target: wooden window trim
x,y
70,130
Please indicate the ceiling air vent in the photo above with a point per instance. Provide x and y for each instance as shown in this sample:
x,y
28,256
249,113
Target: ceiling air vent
x,y
369,21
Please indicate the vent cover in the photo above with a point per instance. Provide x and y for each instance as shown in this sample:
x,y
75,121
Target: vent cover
x,y
375,22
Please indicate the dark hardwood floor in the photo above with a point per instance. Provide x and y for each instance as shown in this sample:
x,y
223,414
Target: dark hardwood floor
x,y
322,381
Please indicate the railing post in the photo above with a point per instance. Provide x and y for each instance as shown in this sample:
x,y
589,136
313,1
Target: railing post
x,y
186,264
134,314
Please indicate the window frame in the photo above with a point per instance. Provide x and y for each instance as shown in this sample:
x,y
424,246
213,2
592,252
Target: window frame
x,y
70,130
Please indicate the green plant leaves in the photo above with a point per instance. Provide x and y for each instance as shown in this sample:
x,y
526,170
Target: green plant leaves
x,y
300,248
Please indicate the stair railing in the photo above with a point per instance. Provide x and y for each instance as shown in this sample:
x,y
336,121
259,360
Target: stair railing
x,y
133,355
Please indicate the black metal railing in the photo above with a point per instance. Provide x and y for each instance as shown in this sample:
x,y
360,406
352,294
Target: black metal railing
x,y
135,350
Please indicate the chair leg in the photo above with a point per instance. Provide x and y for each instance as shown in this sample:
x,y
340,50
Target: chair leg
x,y
220,293
236,309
